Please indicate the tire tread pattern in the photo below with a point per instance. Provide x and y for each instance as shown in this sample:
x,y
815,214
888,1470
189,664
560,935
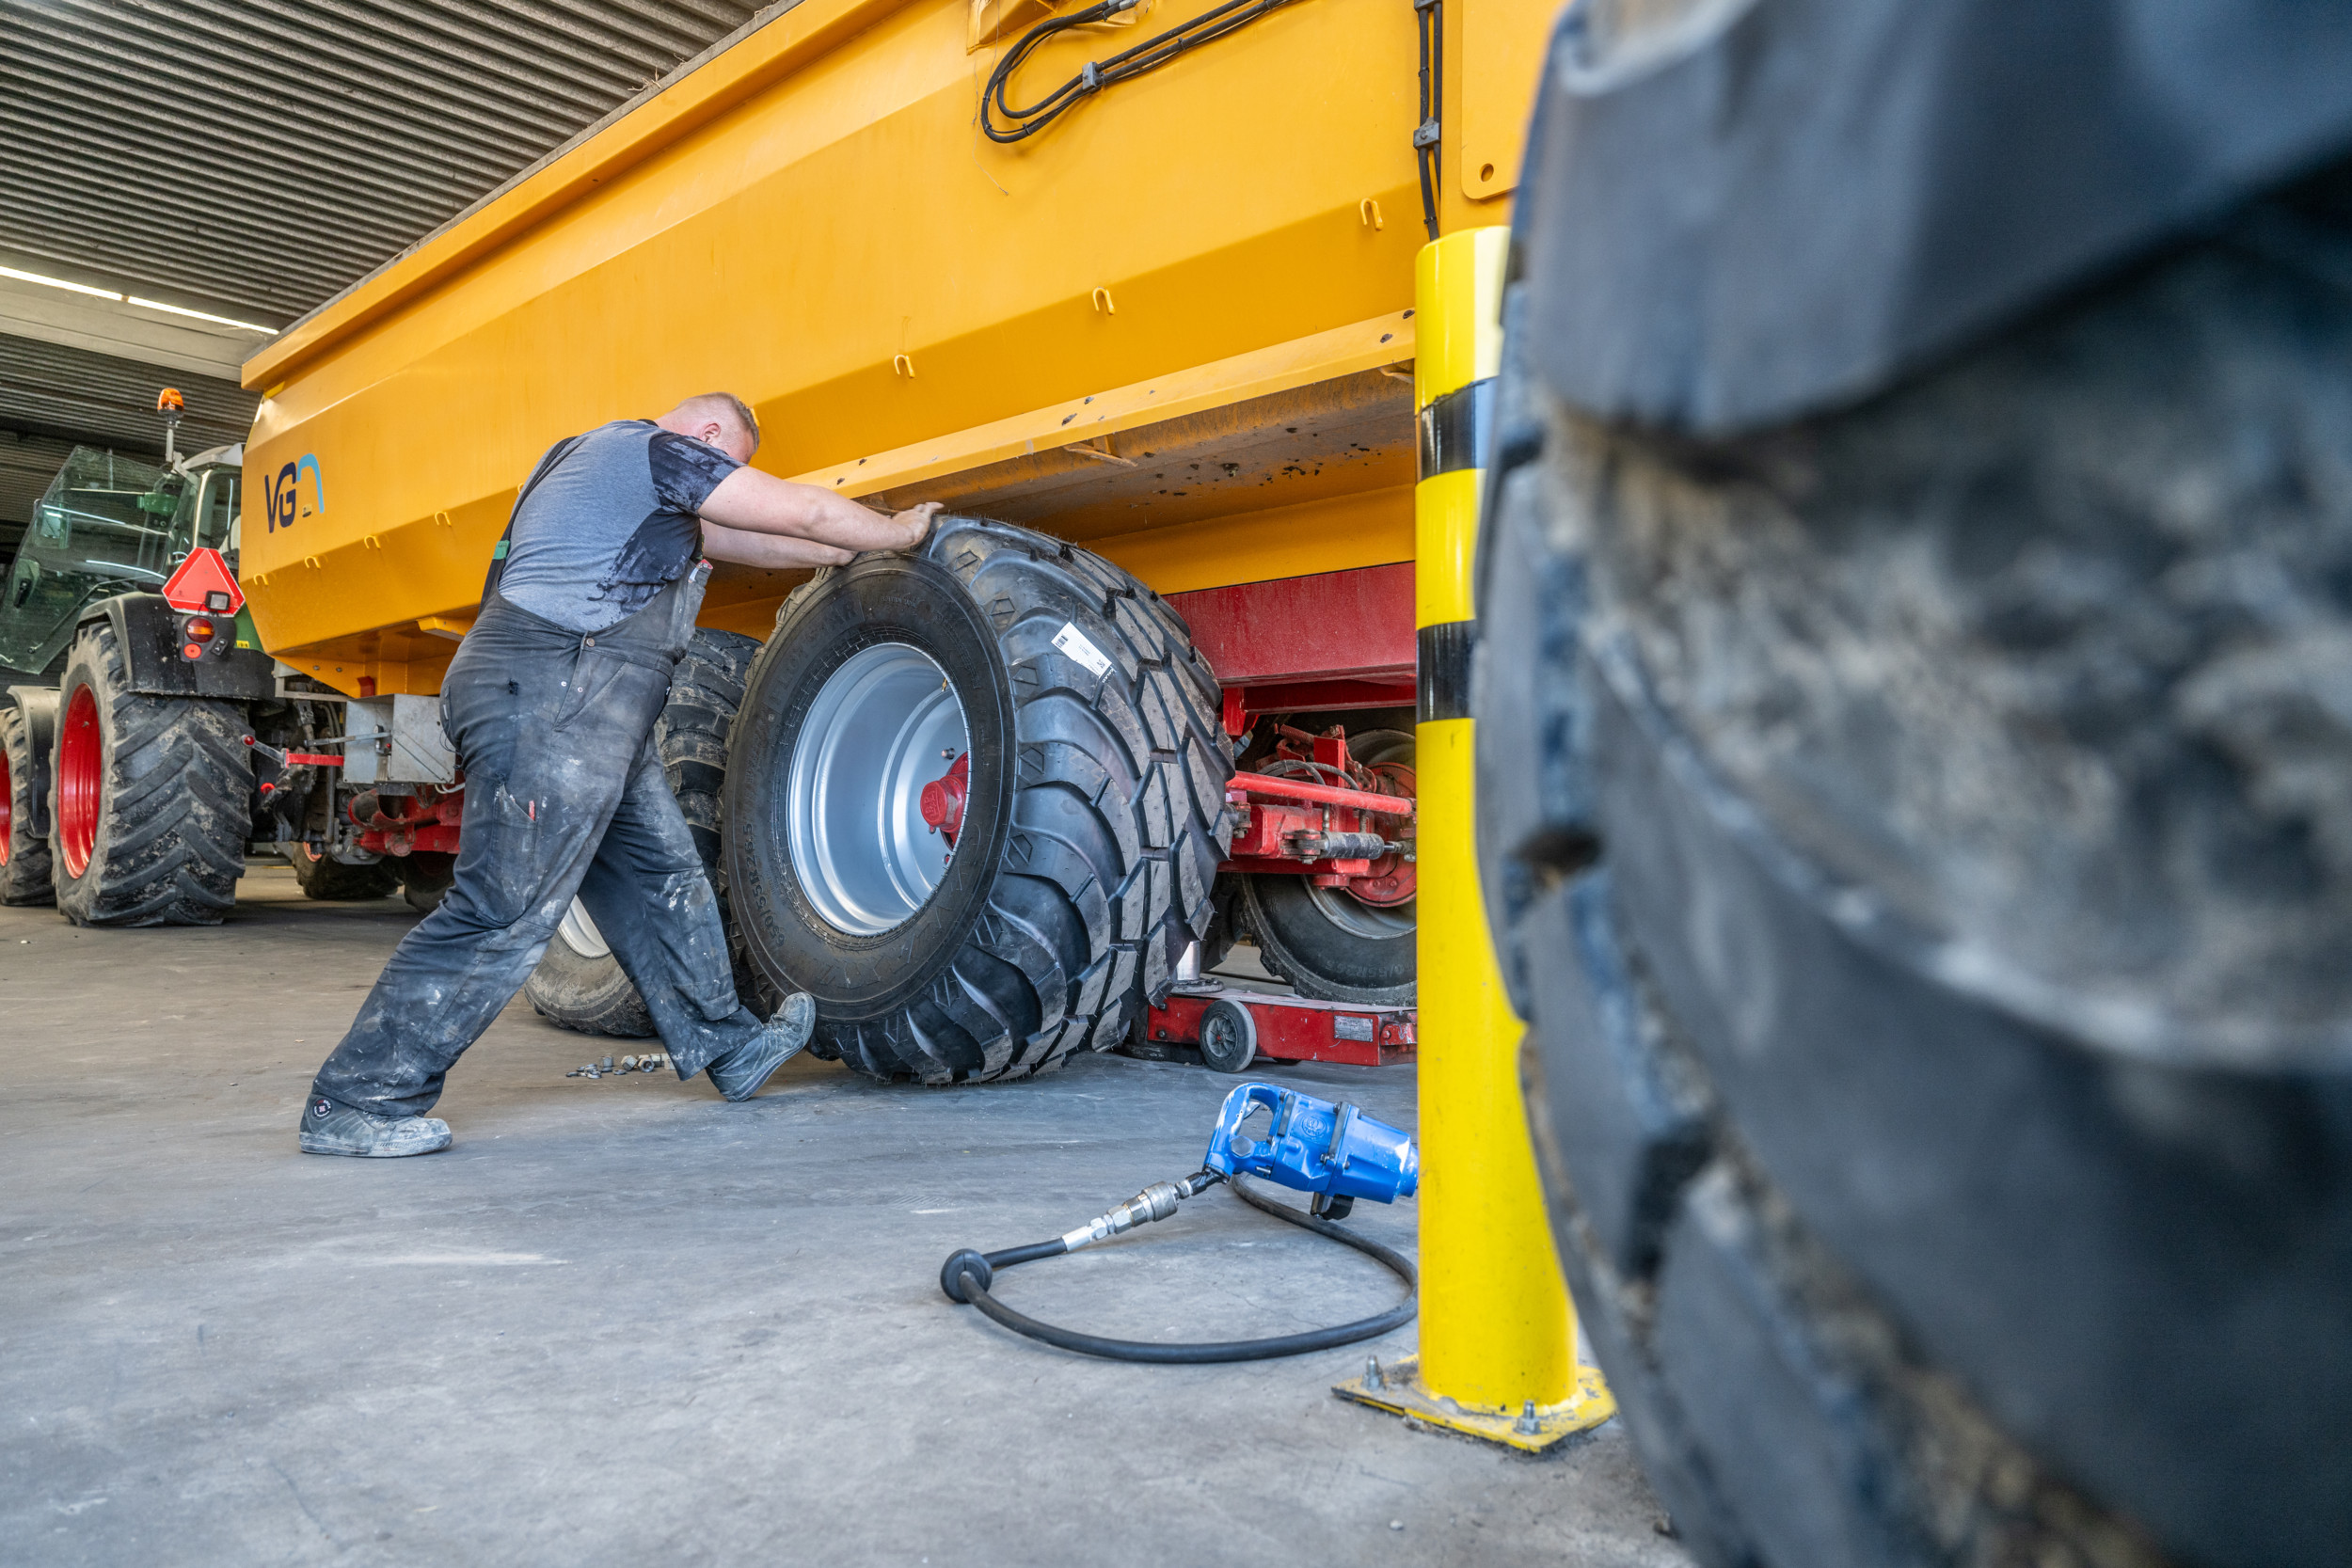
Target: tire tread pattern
x,y
25,875
1119,822
175,806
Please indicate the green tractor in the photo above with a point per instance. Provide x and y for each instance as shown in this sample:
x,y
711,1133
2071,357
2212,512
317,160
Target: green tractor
x,y
130,791
104,538
107,526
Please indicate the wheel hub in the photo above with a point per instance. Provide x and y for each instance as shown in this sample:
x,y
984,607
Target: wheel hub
x,y
884,738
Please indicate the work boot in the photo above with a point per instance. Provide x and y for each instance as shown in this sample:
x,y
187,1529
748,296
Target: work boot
x,y
331,1128
739,1073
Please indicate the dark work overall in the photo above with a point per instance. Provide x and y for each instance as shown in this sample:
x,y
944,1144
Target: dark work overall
x,y
565,795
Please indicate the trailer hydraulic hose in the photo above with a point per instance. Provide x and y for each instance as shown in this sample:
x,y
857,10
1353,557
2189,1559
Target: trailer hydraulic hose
x,y
1152,52
967,1276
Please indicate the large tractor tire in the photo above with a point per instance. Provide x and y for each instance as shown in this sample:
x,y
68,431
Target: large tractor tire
x,y
579,984
1326,943
1920,842
150,800
324,877
1065,702
24,853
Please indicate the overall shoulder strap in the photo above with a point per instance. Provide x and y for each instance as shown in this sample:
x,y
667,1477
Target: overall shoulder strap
x,y
547,465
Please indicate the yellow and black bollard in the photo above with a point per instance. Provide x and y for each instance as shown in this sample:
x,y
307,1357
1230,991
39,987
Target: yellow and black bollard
x,y
1497,1334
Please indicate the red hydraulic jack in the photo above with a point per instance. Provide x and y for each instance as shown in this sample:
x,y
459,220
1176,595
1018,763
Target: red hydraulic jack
x,y
1315,812
1232,1028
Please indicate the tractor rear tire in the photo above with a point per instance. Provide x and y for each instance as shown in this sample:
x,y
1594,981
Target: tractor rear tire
x,y
1918,841
322,877
150,800
579,984
24,857
1324,942
1094,821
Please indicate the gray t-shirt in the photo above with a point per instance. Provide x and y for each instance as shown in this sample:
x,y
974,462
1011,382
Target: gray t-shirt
x,y
607,520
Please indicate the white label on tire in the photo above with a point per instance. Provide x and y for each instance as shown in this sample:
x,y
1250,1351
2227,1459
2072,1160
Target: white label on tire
x,y
1069,640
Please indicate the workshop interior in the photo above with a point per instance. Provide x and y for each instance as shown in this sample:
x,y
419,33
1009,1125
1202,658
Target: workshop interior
x,y
807,642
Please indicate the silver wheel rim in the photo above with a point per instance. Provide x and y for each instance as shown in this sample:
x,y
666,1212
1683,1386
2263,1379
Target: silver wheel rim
x,y
579,933
883,725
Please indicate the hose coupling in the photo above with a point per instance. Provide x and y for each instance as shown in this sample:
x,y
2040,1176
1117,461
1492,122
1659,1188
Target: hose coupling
x,y
1155,1202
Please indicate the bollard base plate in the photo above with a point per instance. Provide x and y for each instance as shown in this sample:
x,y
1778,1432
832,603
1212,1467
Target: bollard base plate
x,y
1403,1394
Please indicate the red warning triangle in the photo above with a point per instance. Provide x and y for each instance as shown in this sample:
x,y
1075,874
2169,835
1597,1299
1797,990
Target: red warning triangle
x,y
203,583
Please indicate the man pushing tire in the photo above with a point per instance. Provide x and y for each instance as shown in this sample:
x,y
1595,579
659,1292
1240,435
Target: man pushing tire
x,y
551,704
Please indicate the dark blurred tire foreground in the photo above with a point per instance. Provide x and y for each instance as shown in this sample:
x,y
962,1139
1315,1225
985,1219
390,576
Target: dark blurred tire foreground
x,y
1916,765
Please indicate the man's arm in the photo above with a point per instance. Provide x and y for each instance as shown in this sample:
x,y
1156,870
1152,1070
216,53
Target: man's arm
x,y
774,551
749,501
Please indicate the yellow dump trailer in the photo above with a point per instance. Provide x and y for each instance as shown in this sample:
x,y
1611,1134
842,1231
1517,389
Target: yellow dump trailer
x,y
1167,325
971,252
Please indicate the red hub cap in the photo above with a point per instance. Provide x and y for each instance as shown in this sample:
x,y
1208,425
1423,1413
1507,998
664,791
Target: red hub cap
x,y
80,772
943,799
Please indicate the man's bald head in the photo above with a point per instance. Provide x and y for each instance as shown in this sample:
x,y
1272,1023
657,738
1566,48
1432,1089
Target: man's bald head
x,y
721,418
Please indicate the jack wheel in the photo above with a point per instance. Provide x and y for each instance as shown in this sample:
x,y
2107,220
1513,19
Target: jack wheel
x,y
1229,1037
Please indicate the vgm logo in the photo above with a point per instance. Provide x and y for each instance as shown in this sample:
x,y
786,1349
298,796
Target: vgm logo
x,y
284,488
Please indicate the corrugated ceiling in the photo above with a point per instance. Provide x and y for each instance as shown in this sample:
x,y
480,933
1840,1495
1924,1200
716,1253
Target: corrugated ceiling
x,y
254,158
73,395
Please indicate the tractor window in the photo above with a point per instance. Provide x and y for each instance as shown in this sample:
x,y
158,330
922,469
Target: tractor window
x,y
109,516
207,504
102,527
218,510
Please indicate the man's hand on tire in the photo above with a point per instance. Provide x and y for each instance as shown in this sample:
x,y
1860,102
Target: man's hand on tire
x,y
919,521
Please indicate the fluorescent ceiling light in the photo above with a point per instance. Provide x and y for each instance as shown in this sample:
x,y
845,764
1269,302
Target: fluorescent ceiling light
x,y
149,304
203,316
58,283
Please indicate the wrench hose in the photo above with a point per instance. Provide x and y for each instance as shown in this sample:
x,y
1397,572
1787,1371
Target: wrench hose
x,y
968,1274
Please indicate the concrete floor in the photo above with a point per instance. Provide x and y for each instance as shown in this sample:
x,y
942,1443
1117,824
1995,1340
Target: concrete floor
x,y
623,1320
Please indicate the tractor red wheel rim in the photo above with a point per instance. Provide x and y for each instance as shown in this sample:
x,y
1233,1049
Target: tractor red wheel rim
x,y
7,805
80,772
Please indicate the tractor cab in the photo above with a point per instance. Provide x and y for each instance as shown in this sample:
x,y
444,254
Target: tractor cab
x,y
108,525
